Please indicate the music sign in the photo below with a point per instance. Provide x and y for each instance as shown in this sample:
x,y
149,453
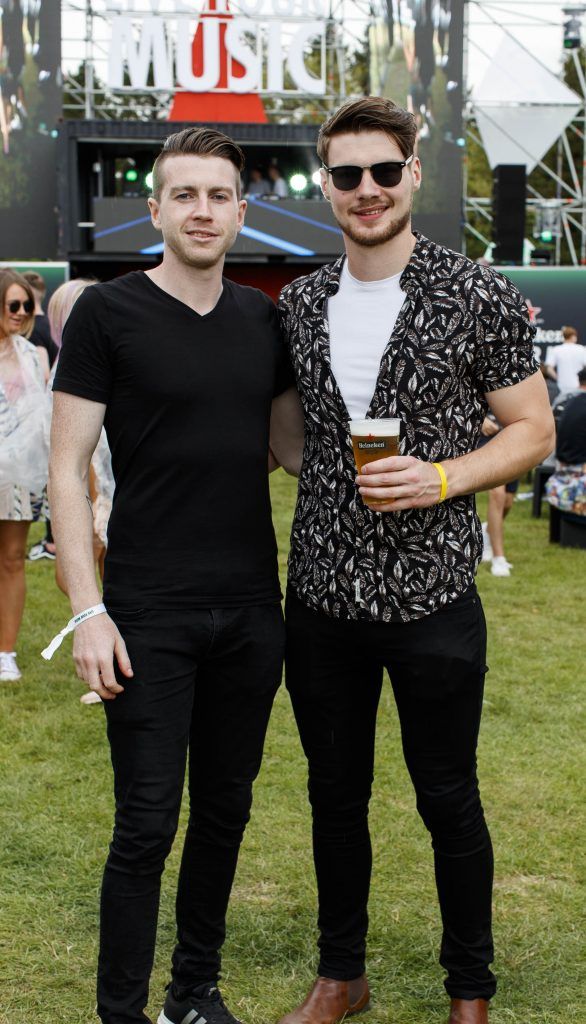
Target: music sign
x,y
269,44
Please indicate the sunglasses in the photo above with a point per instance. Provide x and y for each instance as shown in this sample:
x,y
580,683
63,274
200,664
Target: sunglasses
x,y
27,305
348,176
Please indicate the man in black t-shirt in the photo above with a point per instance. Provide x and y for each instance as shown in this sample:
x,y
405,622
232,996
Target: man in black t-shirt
x,y
185,369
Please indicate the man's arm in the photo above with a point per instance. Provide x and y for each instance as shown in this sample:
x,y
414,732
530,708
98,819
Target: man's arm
x,y
527,437
75,431
286,434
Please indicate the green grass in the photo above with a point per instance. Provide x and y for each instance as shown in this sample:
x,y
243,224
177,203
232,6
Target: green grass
x,y
56,809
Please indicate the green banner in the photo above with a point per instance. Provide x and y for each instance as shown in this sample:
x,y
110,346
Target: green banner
x,y
555,297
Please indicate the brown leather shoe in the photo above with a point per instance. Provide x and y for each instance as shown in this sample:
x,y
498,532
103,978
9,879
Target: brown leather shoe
x,y
330,1001
468,1011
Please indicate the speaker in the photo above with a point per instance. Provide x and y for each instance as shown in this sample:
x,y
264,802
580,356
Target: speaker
x,y
508,212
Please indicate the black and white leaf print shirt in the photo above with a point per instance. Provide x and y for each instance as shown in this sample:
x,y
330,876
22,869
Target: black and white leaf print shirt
x,y
463,331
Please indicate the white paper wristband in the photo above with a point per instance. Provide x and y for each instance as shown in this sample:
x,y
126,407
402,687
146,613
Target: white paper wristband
x,y
56,642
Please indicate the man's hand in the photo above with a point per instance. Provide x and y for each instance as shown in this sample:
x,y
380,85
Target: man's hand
x,y
96,643
400,482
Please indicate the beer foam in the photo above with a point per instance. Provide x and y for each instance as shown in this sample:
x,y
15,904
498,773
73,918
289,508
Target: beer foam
x,y
375,428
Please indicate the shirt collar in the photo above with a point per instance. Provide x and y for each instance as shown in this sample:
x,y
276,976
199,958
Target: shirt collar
x,y
415,277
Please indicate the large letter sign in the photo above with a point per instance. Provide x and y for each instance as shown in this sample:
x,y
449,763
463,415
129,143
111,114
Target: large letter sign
x,y
263,42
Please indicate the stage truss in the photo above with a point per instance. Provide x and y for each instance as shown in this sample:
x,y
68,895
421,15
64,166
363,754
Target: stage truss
x,y
85,59
348,24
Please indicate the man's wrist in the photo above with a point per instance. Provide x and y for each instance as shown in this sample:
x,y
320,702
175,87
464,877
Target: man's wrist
x,y
438,466
84,599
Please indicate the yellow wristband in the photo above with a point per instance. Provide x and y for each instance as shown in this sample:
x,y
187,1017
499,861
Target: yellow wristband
x,y
444,480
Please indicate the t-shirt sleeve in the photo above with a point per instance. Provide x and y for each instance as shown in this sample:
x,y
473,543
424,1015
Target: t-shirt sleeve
x,y
284,376
85,362
505,336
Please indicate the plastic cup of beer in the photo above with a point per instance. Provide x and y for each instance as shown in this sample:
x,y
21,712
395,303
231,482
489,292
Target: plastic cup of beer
x,y
372,440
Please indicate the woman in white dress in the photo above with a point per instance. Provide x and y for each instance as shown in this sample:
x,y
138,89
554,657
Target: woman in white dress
x,y
23,456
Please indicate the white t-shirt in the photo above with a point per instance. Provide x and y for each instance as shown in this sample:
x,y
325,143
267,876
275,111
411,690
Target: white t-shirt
x,y
361,316
567,360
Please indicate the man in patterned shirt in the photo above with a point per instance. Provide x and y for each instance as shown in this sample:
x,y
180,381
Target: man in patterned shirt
x,y
398,327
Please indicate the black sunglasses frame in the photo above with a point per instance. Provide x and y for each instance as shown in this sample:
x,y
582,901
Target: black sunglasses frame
x,y
375,169
14,306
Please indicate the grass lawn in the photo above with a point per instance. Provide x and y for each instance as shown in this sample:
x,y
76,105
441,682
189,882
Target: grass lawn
x,y
56,810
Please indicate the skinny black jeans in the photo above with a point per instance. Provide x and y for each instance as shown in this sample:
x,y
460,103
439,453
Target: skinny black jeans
x,y
204,680
334,671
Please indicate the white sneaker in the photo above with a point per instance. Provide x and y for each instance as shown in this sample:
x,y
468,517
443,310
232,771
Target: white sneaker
x,y
9,672
500,566
486,545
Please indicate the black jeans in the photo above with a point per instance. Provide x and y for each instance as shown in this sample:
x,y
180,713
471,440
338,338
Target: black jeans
x,y
334,671
203,680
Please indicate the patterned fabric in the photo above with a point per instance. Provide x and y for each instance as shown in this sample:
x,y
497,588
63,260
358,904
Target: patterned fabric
x,y
23,447
19,505
463,331
566,488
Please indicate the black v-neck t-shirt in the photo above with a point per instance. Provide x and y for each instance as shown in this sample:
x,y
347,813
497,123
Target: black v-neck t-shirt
x,y
188,402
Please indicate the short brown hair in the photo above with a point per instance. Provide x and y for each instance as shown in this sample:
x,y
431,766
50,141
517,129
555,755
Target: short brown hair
x,y
197,142
568,332
369,114
8,278
36,281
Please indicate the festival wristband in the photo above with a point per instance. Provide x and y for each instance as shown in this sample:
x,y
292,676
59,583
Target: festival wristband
x,y
444,480
97,609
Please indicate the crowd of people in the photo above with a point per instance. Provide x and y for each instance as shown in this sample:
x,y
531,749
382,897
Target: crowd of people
x,y
267,181
204,386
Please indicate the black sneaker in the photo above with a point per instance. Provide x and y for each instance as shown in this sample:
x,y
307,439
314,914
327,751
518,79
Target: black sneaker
x,y
203,1006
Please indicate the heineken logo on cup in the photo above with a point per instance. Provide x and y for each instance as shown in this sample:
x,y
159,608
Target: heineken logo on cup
x,y
374,439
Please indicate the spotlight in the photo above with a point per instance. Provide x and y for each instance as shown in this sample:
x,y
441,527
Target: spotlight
x,y
572,34
131,174
149,180
298,182
316,177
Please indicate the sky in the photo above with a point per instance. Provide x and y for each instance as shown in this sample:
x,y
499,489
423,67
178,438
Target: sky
x,y
535,23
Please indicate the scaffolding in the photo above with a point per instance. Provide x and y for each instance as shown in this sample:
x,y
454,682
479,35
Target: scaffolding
x,y
563,215
86,37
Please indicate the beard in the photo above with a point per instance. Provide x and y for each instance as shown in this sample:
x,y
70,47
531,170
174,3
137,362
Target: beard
x,y
369,239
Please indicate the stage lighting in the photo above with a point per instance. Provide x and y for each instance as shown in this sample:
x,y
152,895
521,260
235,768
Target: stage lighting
x,y
149,180
298,182
316,177
131,174
548,225
572,34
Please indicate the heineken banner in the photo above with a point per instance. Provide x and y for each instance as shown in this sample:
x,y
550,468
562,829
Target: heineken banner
x,y
554,297
30,105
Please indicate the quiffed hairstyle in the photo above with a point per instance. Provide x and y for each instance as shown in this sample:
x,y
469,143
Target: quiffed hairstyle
x,y
8,278
369,114
36,281
197,142
568,332
62,302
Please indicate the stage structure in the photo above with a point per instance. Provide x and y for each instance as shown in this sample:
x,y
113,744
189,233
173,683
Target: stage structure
x,y
268,72
521,109
159,59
